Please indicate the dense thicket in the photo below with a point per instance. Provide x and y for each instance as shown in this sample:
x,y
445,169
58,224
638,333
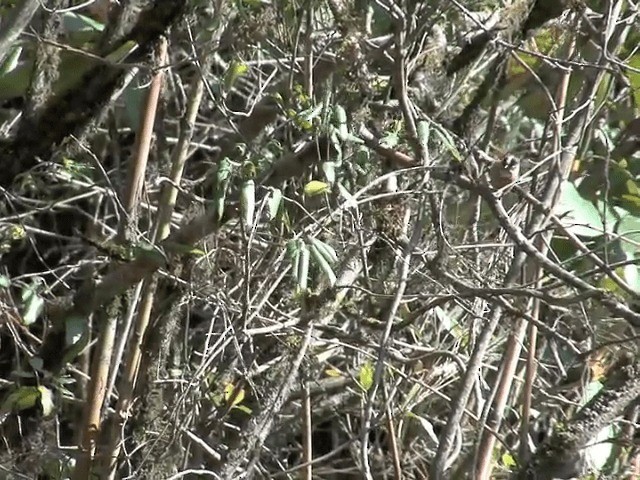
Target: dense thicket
x,y
319,239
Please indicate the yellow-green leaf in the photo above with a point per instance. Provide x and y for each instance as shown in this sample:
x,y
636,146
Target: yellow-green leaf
x,y
123,51
508,460
236,70
365,376
233,395
315,187
243,408
22,399
182,248
634,77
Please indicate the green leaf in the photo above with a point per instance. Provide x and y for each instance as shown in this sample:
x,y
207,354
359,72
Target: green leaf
x,y
591,391
329,170
75,328
122,52
448,321
5,282
224,171
154,253
341,121
634,77
351,138
32,304
250,3
579,215
133,98
362,157
631,275
81,31
631,202
608,284
222,181
21,399
73,65
77,170
447,141
315,187
15,82
323,263
248,202
302,272
236,70
629,231
326,250
75,22
426,425
632,187
390,140
36,363
365,376
293,249
599,449
11,62
46,400
423,133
